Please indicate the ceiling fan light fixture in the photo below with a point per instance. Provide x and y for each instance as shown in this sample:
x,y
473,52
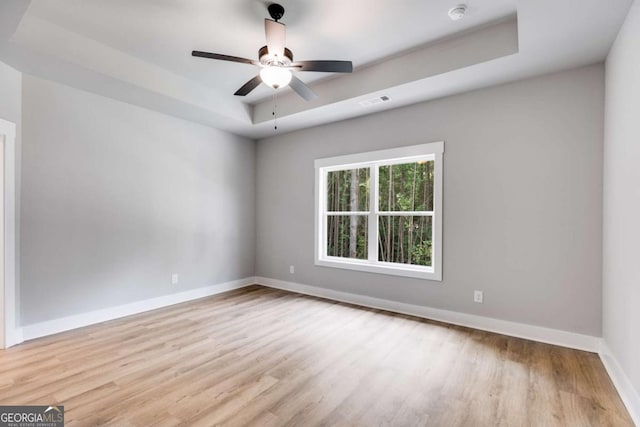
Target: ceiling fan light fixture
x,y
275,77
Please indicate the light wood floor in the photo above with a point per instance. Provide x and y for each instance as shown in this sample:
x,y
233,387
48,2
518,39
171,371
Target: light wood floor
x,y
264,357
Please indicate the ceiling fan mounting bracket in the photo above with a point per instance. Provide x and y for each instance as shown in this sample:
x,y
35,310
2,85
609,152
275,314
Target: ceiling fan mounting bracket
x,y
276,11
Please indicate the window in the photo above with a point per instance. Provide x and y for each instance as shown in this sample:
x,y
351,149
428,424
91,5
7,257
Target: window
x,y
381,211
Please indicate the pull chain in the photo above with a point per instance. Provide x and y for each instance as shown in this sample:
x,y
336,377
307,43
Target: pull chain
x,y
274,113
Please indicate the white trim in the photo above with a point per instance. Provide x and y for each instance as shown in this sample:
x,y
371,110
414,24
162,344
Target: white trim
x,y
374,159
629,395
505,327
438,207
401,213
55,326
373,231
392,154
14,337
394,269
8,130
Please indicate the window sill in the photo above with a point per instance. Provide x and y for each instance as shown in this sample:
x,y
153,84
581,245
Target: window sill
x,y
404,270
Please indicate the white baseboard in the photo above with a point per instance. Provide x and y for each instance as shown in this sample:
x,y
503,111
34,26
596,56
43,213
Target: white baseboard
x,y
14,337
626,390
55,326
520,330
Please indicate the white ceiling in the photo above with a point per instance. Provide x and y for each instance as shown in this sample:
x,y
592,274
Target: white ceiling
x,y
139,51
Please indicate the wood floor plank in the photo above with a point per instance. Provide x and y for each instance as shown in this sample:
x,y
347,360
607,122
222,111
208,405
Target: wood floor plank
x,y
264,357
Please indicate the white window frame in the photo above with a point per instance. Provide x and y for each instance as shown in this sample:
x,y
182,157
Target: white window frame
x,y
373,159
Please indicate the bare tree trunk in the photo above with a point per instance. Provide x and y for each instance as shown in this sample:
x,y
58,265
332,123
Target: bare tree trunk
x,y
400,240
366,208
428,194
336,225
353,219
413,208
425,194
389,228
382,255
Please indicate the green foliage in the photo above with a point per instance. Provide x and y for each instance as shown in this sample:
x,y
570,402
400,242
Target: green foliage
x,y
422,253
339,236
339,190
405,239
406,187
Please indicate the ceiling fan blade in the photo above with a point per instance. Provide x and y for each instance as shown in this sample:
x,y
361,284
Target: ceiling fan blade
x,y
276,37
249,86
223,57
302,89
325,66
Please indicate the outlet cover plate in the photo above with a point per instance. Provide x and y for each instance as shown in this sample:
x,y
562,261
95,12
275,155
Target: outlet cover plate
x,y
478,296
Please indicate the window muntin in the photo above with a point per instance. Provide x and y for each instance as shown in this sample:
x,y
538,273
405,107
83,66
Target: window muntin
x,y
381,211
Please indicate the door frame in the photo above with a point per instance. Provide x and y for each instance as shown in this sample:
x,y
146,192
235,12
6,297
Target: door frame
x,y
10,335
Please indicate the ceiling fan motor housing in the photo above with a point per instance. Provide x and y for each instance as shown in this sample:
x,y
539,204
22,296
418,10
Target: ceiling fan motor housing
x,y
266,59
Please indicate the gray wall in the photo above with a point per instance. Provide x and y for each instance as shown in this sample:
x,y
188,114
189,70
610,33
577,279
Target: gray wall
x,y
116,198
621,273
522,200
10,93
11,110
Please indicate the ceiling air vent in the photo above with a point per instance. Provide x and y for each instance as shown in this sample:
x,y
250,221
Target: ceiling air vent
x,y
375,101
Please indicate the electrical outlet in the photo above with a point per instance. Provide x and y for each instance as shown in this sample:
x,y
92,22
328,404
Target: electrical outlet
x,y
292,269
478,296
174,279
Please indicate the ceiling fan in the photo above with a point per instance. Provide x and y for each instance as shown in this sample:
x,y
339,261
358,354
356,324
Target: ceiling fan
x,y
277,61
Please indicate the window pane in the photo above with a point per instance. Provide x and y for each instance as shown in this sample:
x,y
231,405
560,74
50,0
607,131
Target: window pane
x,y
348,190
405,239
406,187
347,236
